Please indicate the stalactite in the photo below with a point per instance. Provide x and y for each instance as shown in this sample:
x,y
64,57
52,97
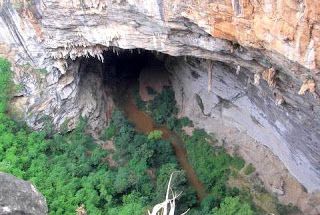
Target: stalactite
x,y
209,76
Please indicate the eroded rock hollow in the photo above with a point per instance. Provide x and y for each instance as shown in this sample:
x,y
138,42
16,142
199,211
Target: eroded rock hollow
x,y
244,70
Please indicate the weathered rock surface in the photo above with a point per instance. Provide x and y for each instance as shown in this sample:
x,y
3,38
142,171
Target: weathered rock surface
x,y
243,116
273,45
19,197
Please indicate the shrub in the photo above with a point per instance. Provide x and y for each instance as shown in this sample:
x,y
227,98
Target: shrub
x,y
238,162
176,124
233,206
212,165
155,135
6,85
249,169
132,204
287,209
163,106
109,132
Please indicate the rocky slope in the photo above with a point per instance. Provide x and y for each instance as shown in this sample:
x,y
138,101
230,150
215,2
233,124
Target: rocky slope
x,y
265,63
20,197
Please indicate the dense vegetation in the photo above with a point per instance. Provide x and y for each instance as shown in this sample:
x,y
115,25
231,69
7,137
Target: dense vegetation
x,y
70,169
162,109
145,163
213,165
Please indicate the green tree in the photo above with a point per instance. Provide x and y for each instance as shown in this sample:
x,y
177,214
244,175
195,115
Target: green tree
x,y
233,206
132,205
163,106
155,135
6,85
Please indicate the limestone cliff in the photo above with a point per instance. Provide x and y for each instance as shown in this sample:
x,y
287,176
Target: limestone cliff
x,y
266,86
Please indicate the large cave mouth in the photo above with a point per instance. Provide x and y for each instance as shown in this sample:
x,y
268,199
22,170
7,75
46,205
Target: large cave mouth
x,y
106,85
143,69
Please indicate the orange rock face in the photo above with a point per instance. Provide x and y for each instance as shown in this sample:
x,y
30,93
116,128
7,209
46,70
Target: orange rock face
x,y
288,27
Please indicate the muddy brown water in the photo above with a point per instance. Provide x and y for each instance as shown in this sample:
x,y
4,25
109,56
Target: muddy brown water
x,y
145,124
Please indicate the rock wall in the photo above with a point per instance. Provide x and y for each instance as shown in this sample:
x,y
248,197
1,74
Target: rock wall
x,y
272,40
20,197
243,116
289,129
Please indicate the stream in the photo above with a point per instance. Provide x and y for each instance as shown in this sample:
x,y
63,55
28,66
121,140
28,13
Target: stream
x,y
145,124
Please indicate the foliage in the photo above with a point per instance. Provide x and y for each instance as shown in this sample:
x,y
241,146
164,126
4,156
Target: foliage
x,y
249,169
208,203
213,167
238,162
5,84
155,135
70,170
108,132
287,209
176,124
62,168
132,204
162,107
138,155
233,206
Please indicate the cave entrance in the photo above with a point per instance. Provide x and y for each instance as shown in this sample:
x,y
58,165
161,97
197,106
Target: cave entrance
x,y
104,85
135,68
